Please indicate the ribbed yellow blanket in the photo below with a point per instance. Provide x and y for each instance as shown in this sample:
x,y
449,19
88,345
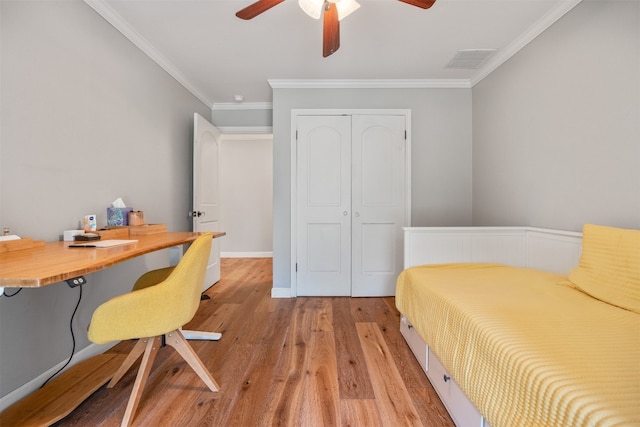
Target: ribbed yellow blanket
x,y
526,349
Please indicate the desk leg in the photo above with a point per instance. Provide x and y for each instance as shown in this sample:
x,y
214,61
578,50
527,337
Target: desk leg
x,y
201,335
175,253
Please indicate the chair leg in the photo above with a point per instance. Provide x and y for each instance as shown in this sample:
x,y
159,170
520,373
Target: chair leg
x,y
176,340
151,350
131,358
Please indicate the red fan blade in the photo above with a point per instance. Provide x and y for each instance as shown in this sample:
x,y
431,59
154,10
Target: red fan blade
x,y
424,4
257,8
331,29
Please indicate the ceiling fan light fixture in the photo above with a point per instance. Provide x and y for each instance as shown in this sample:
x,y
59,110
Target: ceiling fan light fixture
x,y
332,12
313,8
346,7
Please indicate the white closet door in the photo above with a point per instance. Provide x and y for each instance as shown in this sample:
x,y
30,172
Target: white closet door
x,y
323,206
378,203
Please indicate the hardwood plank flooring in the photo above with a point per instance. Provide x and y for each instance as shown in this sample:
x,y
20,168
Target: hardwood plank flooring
x,y
280,362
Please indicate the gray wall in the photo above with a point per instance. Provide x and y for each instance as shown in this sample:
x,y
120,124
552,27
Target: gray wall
x,y
556,129
441,154
244,116
85,117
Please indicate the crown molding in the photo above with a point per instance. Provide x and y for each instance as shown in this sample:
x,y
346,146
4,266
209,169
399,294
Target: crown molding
x,y
112,17
370,84
242,106
534,31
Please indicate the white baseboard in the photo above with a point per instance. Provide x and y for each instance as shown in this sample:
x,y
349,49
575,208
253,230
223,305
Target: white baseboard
x,y
280,292
246,254
33,385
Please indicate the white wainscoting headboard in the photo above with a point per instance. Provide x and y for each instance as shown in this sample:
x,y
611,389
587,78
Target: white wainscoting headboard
x,y
556,251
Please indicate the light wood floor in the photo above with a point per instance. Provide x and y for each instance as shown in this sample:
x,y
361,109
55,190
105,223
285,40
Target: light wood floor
x,y
280,362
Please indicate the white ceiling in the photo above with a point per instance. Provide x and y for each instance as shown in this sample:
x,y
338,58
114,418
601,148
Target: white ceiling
x,y
216,55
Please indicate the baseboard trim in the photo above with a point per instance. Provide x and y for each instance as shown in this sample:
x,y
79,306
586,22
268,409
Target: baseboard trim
x,y
281,293
246,254
33,385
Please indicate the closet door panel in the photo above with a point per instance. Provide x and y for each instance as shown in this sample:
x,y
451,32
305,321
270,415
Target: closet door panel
x,y
323,254
378,258
323,211
378,203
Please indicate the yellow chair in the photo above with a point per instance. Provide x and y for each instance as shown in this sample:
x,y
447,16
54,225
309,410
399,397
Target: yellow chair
x,y
161,302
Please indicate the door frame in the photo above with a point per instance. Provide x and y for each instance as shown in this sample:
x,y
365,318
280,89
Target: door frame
x,y
294,168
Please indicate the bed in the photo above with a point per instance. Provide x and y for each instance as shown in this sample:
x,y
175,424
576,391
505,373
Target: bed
x,y
505,344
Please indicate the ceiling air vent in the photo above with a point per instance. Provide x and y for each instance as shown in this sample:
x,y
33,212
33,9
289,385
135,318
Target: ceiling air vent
x,y
470,58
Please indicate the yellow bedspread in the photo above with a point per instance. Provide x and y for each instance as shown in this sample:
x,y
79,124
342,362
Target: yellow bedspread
x,y
526,349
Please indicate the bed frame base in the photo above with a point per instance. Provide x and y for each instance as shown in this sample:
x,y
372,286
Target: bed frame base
x,y
460,408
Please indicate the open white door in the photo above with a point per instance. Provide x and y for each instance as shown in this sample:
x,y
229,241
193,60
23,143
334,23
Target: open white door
x,y
206,194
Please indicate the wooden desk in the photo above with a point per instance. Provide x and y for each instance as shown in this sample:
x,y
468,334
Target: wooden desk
x,y
55,261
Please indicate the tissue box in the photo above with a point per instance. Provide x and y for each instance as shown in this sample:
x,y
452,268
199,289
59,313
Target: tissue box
x,y
118,216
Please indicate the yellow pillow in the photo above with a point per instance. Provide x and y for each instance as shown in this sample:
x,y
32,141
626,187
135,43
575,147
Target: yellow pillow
x,y
609,267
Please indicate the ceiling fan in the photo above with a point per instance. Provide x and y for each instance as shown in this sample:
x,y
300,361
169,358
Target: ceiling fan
x,y
332,10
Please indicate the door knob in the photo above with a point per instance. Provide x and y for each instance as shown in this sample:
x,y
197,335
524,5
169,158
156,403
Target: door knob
x,y
345,213
196,213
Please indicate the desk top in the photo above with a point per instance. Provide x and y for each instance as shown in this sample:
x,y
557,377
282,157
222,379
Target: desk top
x,y
55,261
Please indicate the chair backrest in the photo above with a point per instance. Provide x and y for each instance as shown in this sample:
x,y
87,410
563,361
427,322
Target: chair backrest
x,y
157,309
186,280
